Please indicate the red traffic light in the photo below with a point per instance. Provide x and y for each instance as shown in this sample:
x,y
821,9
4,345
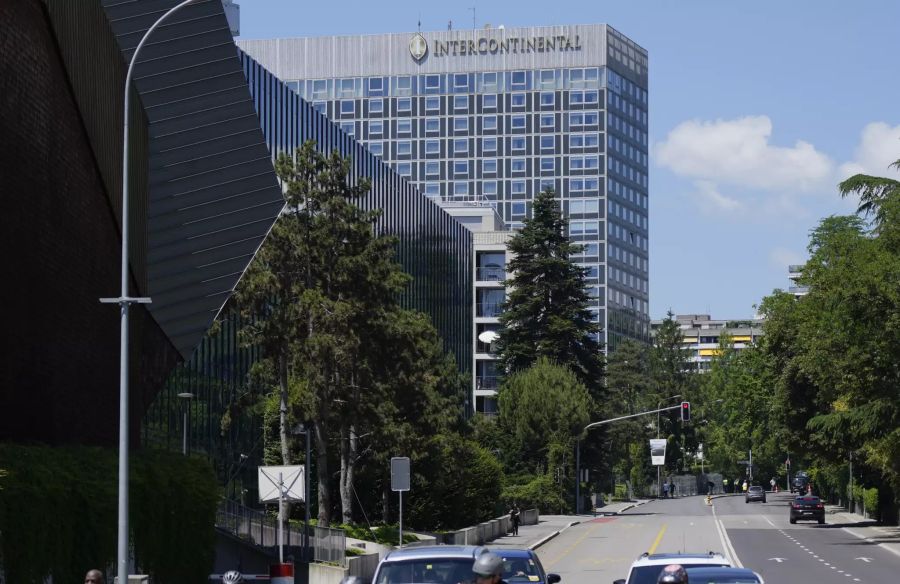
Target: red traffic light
x,y
685,411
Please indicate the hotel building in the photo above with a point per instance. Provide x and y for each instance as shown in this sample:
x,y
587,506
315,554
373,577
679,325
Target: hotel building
x,y
493,116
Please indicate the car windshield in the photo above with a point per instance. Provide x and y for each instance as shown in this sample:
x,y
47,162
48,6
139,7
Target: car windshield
x,y
520,569
650,574
756,489
426,571
807,500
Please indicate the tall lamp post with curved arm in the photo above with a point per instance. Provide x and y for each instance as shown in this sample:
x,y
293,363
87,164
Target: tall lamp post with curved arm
x,y
125,301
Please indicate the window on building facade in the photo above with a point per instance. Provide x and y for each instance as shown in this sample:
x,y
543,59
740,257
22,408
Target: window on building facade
x,y
404,148
404,127
489,144
461,103
517,100
376,148
404,169
548,163
461,168
404,104
489,166
490,122
517,122
517,143
547,98
461,124
432,125
517,165
461,146
432,147
489,101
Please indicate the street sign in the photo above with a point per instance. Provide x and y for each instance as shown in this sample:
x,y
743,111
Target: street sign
x,y
400,473
658,451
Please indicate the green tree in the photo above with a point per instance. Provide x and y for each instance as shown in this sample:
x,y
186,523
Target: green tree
x,y
872,191
319,291
546,312
544,409
671,371
630,391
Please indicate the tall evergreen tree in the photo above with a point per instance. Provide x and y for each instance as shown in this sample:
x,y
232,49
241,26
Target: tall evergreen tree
x,y
319,291
546,313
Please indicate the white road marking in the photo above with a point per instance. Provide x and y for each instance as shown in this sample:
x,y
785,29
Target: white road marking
x,y
866,560
779,560
726,542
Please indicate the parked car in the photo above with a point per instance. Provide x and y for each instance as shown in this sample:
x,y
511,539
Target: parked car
x,y
723,576
755,493
646,569
807,507
452,564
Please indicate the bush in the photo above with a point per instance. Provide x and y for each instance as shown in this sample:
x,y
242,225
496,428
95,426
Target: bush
x,y
541,493
58,513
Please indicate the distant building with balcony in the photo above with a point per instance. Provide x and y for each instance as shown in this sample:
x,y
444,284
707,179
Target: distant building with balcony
x,y
794,273
702,336
489,239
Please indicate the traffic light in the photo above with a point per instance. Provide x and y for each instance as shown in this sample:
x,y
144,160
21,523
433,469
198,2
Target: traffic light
x,y
685,411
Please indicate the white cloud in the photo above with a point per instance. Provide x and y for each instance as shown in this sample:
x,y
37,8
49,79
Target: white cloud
x,y
878,148
738,152
782,258
712,199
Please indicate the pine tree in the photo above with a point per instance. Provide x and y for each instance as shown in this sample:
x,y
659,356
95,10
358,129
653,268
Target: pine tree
x,y
546,313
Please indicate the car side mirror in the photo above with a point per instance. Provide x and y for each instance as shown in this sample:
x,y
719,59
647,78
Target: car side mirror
x,y
554,578
619,581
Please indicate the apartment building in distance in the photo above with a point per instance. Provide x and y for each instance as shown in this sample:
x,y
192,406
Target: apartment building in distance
x,y
702,335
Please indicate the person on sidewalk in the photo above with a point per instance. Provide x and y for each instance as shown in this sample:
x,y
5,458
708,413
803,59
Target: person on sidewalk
x,y
93,577
671,488
487,569
514,519
665,490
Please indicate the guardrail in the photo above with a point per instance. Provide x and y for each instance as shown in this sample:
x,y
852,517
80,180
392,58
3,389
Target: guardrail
x,y
328,543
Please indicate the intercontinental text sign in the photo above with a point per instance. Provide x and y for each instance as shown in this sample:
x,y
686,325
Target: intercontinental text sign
x,y
491,46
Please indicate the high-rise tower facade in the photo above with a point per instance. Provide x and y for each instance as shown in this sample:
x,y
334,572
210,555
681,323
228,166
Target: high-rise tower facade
x,y
497,115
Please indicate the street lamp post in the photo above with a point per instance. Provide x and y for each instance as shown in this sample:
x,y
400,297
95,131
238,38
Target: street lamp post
x,y
185,398
305,429
125,301
658,406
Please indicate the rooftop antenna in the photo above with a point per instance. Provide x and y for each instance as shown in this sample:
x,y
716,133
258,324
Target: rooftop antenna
x,y
449,25
473,16
420,23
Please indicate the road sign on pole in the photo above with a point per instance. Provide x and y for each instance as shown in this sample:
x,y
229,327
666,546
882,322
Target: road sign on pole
x,y
400,483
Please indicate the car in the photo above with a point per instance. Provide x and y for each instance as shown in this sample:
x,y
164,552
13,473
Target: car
x,y
807,507
755,493
723,576
523,565
646,569
800,482
452,564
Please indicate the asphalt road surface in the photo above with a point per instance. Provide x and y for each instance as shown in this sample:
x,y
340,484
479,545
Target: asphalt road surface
x,y
754,535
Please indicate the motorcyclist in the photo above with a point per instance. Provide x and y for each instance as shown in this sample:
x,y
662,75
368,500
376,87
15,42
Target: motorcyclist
x,y
487,569
673,574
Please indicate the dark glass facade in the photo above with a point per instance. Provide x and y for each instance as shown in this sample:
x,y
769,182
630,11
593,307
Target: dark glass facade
x,y
432,247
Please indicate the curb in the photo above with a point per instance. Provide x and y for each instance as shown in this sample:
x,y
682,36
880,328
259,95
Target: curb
x,y
545,539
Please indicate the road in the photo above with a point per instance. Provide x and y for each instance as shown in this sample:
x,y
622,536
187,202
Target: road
x,y
755,535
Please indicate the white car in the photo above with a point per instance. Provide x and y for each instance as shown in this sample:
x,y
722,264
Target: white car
x,y
646,569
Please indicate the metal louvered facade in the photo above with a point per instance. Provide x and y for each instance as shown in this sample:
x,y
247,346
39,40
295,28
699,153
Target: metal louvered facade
x,y
433,247
213,195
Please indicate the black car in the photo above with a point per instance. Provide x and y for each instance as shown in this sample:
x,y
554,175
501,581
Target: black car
x,y
800,482
755,493
807,508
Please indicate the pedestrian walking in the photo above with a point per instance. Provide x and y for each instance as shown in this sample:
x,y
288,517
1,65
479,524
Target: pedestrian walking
x,y
725,486
737,485
94,577
772,482
745,486
514,519
671,488
665,490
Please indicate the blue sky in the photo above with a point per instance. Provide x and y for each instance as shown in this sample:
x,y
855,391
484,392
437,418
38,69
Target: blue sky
x,y
757,109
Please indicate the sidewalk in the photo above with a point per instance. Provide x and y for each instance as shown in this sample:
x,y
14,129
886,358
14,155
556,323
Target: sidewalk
x,y
549,526
886,536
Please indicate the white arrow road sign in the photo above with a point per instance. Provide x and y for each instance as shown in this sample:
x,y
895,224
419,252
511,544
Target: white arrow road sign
x,y
779,560
866,560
